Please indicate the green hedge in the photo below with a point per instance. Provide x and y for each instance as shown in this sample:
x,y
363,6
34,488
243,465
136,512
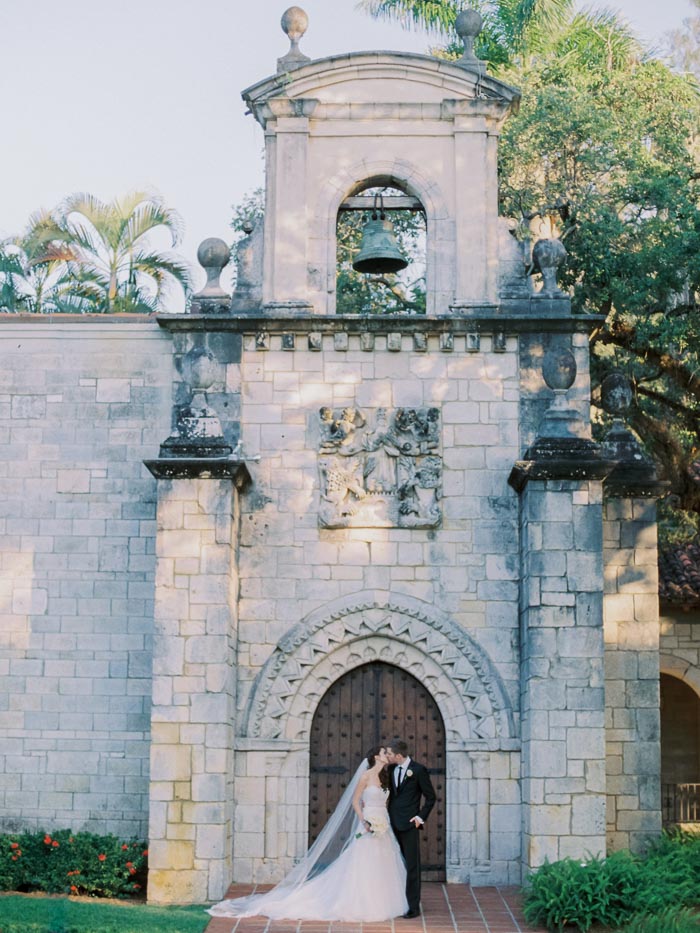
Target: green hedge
x,y
618,889
73,863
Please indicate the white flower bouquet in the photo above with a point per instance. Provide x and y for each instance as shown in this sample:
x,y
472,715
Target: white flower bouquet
x,y
378,825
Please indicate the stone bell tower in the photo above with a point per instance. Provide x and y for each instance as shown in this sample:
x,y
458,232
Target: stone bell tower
x,y
338,499
332,126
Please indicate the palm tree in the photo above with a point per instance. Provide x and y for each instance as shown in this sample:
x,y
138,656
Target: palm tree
x,y
112,263
34,274
511,27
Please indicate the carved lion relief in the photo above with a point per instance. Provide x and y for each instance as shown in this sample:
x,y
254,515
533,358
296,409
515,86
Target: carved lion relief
x,y
386,474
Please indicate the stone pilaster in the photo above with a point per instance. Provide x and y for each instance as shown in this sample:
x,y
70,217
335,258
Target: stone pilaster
x,y
563,727
191,794
632,671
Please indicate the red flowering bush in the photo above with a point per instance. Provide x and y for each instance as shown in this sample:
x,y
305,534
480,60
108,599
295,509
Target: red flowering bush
x,y
72,863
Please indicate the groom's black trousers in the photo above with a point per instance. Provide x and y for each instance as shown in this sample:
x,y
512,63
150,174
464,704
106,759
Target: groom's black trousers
x,y
409,843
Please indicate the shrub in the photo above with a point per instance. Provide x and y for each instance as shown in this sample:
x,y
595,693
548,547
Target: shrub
x,y
72,863
672,920
614,890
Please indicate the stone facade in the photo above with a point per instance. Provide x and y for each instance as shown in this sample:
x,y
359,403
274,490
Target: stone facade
x,y
329,492
81,407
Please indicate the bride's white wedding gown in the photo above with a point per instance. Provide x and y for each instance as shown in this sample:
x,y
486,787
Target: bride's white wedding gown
x,y
367,882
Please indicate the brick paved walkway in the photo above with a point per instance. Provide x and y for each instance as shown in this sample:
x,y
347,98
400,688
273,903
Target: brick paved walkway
x,y
447,908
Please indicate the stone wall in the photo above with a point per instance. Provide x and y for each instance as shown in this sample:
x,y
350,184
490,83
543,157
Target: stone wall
x,y
83,403
563,733
289,566
631,612
290,569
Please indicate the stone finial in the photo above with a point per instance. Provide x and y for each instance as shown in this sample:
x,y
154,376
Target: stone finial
x,y
294,23
559,373
559,370
634,472
468,25
616,394
547,256
633,467
198,433
561,449
213,256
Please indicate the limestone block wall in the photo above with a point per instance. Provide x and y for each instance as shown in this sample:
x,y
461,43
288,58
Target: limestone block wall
x,y
82,403
289,566
631,613
290,569
192,797
563,733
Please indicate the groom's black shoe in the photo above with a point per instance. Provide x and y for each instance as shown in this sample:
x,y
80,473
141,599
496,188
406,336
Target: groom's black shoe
x,y
411,914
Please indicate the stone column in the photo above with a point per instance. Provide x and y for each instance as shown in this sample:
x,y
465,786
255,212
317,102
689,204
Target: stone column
x,y
563,702
631,632
191,794
632,671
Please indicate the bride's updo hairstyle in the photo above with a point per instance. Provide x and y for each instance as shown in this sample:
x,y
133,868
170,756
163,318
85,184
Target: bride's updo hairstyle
x,y
371,760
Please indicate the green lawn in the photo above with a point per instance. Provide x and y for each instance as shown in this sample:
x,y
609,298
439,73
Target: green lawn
x,y
62,915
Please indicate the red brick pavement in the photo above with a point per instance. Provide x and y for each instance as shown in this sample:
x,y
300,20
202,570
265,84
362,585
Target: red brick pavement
x,y
446,908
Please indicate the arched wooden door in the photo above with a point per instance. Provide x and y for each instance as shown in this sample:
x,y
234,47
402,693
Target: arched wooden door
x,y
372,705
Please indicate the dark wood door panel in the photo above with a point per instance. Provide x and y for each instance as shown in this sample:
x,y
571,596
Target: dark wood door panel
x,y
372,705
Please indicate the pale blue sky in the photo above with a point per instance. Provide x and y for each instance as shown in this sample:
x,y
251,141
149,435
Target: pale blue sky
x,y
106,96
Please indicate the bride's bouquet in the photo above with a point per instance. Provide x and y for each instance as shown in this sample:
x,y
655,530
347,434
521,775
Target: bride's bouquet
x,y
378,825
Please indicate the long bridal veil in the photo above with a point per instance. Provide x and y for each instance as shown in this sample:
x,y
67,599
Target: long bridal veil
x,y
333,839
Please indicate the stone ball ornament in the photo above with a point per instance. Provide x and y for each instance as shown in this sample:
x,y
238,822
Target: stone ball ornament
x,y
294,23
616,394
559,369
213,252
213,256
468,25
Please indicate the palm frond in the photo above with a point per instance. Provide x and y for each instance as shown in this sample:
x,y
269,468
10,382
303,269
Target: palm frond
x,y
162,267
147,216
435,16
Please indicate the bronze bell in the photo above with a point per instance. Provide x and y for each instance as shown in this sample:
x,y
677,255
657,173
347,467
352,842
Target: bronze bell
x,y
379,251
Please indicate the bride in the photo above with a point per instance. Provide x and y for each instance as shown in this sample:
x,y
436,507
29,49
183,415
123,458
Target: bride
x,y
354,871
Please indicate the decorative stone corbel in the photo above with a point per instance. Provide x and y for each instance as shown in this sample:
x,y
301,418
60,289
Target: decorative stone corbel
x,y
561,450
197,447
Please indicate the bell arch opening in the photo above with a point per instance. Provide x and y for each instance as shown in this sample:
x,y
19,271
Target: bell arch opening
x,y
369,706
680,751
381,225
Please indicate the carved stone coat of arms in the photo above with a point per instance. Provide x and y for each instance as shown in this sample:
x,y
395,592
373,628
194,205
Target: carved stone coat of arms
x,y
384,472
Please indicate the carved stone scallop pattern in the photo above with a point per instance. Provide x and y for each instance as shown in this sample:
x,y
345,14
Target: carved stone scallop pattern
x,y
401,631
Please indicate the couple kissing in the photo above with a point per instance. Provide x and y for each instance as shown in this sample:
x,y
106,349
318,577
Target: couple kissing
x,y
365,864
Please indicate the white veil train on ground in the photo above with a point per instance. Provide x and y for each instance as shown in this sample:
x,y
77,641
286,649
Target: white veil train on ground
x,y
331,842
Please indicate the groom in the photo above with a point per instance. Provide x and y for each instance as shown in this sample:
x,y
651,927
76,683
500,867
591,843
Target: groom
x,y
409,781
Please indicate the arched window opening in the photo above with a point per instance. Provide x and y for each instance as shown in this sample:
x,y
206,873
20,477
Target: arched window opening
x,y
386,292
680,752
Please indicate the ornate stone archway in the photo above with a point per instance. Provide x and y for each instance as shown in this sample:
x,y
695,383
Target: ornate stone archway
x,y
273,744
399,630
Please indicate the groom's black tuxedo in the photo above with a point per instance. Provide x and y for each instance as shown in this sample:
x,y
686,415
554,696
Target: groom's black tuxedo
x,y
404,804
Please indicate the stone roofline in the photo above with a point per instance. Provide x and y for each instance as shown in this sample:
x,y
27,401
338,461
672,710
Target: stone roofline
x,y
456,83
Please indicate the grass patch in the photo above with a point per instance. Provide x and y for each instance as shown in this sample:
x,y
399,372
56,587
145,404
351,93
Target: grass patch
x,y
64,915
